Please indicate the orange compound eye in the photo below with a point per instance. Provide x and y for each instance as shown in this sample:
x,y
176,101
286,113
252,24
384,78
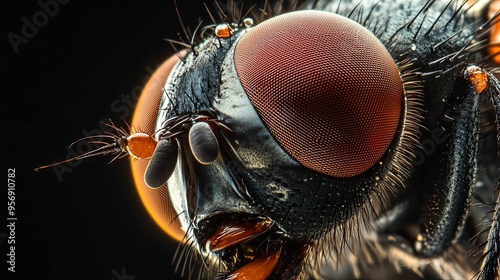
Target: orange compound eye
x,y
494,49
156,201
325,87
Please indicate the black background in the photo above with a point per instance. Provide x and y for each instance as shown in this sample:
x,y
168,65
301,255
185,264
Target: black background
x,y
76,69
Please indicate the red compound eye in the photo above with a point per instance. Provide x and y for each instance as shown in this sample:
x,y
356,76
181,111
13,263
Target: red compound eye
x,y
325,87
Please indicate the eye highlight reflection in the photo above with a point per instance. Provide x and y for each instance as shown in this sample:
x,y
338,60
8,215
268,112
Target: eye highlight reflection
x,y
156,201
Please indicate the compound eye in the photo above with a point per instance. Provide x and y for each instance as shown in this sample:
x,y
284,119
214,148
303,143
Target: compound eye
x,y
156,201
325,87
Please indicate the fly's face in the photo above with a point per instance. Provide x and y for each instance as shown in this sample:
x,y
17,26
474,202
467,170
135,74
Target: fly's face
x,y
278,136
283,142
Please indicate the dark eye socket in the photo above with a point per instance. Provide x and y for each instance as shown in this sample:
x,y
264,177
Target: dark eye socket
x,y
325,87
156,201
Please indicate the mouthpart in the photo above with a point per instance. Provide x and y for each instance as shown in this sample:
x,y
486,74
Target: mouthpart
x,y
250,246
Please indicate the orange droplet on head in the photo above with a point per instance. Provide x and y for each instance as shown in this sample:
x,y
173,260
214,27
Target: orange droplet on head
x,y
478,78
141,145
222,31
